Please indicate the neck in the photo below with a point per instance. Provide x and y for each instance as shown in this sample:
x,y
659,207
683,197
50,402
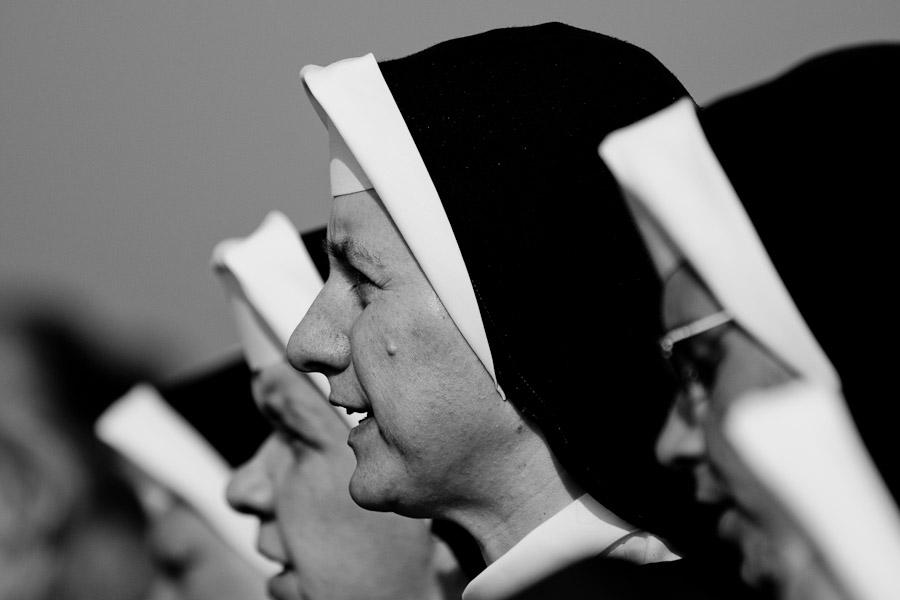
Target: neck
x,y
449,581
532,488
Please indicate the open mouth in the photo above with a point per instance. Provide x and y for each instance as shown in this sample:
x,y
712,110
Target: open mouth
x,y
365,414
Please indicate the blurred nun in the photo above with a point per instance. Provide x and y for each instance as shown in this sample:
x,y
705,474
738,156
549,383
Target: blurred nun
x,y
180,442
768,218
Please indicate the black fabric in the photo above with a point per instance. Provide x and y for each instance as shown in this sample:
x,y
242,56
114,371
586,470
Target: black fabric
x,y
813,155
88,373
219,404
508,123
314,241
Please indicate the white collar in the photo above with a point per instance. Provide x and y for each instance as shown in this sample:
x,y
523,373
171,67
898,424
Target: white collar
x,y
582,529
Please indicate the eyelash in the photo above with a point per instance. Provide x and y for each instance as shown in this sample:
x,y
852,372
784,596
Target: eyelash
x,y
359,283
357,278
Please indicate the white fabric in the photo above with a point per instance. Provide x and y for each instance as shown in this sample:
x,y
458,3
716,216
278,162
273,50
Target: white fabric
x,y
144,429
582,529
352,97
800,441
270,281
825,479
685,206
347,177
276,280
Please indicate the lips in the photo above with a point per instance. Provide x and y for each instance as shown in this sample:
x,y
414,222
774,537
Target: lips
x,y
283,586
269,546
362,432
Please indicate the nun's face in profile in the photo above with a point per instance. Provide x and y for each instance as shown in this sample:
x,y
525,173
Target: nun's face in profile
x,y
390,350
296,485
727,363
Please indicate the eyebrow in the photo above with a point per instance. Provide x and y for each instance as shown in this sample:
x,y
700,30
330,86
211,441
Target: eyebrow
x,y
348,252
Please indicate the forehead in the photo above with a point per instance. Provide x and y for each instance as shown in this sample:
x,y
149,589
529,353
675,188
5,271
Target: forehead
x,y
361,231
685,299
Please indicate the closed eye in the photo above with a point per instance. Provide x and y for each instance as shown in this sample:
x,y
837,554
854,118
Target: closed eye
x,y
358,282
350,259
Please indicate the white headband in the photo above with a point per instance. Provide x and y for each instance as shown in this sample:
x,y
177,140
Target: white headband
x,y
347,177
685,206
355,103
271,281
143,428
800,442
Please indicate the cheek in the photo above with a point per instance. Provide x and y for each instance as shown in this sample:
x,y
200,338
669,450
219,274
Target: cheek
x,y
396,348
308,494
410,360
745,366
734,376
314,479
731,470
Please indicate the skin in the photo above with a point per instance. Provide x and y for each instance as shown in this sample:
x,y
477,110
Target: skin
x,y
193,562
296,485
775,553
439,441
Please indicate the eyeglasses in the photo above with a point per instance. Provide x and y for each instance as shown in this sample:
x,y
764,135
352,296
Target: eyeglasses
x,y
683,370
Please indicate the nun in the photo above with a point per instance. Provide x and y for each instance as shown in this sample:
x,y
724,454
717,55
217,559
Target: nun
x,y
767,214
489,304
177,442
295,485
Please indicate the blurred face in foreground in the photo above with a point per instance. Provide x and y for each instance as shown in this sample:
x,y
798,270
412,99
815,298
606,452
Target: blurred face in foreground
x,y
296,485
716,366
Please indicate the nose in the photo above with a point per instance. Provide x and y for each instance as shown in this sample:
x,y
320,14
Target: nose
x,y
320,343
681,440
250,490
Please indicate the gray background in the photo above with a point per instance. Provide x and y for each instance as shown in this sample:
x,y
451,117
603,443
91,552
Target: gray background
x,y
135,134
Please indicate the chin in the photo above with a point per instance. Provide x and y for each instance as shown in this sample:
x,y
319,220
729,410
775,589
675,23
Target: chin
x,y
760,558
368,492
375,492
